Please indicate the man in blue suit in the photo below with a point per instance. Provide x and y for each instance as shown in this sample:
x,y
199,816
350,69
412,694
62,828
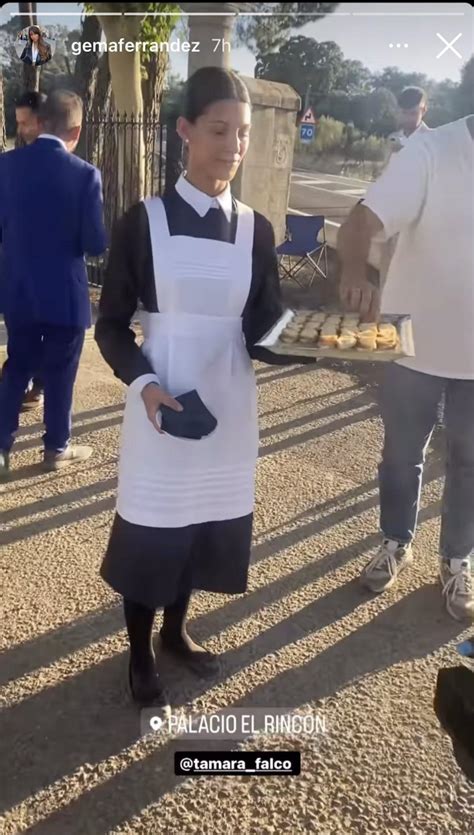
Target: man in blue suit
x,y
51,215
28,129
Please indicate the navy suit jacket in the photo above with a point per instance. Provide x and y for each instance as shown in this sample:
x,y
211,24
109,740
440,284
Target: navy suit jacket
x,y
51,215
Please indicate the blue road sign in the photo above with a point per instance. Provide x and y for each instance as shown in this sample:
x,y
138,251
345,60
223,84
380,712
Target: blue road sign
x,y
307,133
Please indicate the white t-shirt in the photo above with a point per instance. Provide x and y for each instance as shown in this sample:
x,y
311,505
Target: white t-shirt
x,y
426,195
34,53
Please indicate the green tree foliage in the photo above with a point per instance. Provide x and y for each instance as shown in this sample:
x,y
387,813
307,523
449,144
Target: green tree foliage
x,y
302,62
465,92
346,91
393,79
329,135
267,34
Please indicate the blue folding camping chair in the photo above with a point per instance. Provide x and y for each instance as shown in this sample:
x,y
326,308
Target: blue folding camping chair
x,y
302,249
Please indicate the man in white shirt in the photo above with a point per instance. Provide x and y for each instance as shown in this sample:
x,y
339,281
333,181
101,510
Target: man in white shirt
x,y
426,196
412,106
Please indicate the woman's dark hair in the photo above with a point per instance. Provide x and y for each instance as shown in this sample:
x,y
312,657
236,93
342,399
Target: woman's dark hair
x,y
44,48
208,85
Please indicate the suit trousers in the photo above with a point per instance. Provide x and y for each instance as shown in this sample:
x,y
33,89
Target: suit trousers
x,y
60,350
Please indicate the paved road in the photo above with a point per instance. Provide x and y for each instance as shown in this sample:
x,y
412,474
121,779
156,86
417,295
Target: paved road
x,y
327,194
71,758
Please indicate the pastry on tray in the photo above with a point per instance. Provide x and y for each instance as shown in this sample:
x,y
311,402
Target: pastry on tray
x,y
328,335
387,337
290,336
324,331
367,336
348,336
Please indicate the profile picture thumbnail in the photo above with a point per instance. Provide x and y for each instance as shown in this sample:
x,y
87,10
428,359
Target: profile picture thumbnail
x,y
34,46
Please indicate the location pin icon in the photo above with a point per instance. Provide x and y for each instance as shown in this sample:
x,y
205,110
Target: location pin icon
x,y
156,723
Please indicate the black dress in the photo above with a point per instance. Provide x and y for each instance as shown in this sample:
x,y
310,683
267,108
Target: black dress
x,y
151,565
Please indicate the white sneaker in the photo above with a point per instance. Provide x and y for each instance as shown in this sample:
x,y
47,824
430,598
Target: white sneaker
x,y
383,569
458,588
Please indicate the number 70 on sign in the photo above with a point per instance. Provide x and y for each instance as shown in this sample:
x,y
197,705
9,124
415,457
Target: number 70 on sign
x,y
307,133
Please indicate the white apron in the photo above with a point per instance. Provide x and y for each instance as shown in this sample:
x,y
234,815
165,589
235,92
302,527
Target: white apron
x,y
194,342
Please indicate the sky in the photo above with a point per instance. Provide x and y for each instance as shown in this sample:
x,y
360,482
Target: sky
x,y
364,31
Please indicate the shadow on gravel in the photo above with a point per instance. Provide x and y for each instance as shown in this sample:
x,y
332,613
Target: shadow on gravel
x,y
59,520
91,414
50,647
318,432
359,401
274,374
288,538
78,431
83,721
87,718
57,643
314,399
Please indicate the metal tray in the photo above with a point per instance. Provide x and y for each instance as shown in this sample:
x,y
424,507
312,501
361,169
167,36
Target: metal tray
x,y
403,323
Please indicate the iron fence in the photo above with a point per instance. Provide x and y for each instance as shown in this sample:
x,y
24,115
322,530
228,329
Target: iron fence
x,y
130,153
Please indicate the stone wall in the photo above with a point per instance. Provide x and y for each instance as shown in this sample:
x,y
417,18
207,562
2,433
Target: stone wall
x,y
263,180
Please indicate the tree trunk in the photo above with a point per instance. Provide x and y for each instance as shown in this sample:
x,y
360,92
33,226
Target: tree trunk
x,y
3,132
174,155
152,90
86,74
125,73
87,63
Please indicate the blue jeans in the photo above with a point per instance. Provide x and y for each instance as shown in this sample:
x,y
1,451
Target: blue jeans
x,y
409,404
60,350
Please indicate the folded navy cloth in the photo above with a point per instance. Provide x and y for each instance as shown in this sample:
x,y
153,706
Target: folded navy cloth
x,y
194,422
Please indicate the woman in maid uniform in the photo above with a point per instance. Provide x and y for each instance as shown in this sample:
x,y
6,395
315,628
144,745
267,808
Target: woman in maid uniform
x,y
204,269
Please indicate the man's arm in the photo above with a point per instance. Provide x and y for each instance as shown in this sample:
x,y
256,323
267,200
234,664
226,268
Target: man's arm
x,y
353,243
392,203
93,234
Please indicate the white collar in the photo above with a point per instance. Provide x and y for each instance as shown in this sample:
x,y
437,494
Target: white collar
x,y
56,138
202,202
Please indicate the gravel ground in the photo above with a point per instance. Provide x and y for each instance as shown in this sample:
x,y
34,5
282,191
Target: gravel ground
x,y
305,634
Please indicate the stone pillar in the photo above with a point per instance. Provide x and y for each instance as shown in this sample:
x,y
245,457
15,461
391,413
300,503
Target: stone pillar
x,y
263,179
213,31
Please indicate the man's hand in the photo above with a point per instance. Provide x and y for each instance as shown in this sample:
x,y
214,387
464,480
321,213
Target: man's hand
x,y
356,292
154,398
358,295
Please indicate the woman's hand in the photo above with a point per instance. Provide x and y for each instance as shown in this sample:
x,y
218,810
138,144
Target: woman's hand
x,y
154,398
